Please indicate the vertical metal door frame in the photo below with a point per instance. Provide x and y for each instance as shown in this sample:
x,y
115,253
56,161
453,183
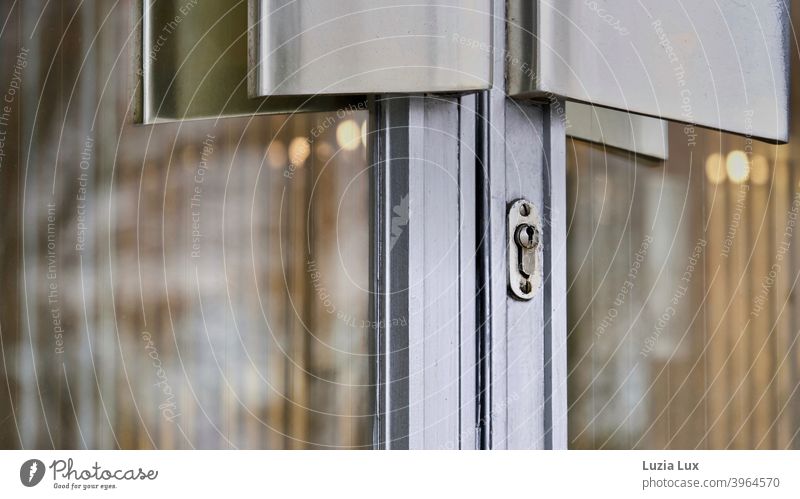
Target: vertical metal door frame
x,y
527,339
527,407
423,269
461,364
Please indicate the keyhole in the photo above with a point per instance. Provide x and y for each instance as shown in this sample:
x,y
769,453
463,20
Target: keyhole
x,y
527,236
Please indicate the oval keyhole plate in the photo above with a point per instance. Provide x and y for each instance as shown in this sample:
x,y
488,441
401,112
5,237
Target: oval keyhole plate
x,y
524,253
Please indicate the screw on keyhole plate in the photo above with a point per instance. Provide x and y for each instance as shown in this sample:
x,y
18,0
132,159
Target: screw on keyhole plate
x,y
524,249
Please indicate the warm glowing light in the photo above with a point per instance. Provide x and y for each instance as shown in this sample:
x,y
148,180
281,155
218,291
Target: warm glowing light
x,y
299,150
276,154
348,135
715,171
364,133
759,170
324,150
738,167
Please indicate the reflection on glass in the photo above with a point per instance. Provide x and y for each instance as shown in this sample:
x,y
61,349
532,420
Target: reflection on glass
x,y
683,306
191,285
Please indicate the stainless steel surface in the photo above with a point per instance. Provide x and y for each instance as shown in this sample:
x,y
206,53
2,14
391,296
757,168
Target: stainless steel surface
x,y
639,134
311,47
192,64
721,64
524,249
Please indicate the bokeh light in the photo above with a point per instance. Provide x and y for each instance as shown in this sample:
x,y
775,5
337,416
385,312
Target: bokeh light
x,y
738,167
715,170
299,150
276,154
324,151
348,135
364,133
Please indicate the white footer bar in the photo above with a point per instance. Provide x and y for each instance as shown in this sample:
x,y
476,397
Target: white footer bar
x,y
333,474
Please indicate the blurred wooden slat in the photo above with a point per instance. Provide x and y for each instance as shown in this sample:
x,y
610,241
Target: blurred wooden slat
x,y
761,362
785,337
716,322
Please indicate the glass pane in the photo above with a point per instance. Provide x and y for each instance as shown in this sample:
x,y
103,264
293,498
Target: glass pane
x,y
191,285
683,306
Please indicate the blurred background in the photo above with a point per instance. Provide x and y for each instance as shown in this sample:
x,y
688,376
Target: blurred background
x,y
683,304
192,285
